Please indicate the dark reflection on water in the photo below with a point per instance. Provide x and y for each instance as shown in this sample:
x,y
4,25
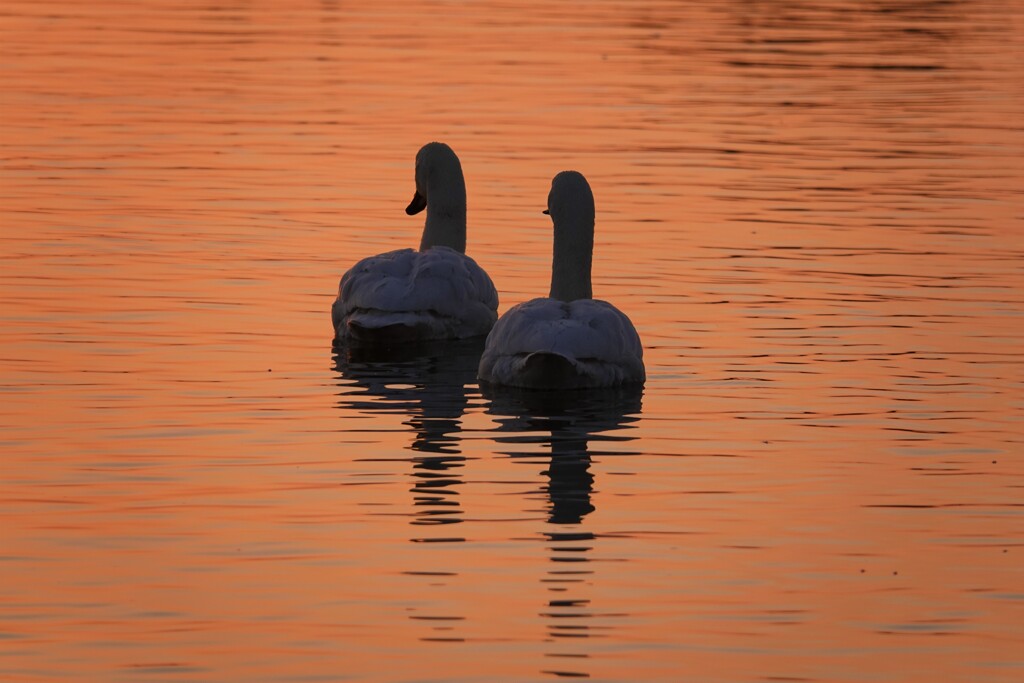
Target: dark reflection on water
x,y
567,422
431,385
572,420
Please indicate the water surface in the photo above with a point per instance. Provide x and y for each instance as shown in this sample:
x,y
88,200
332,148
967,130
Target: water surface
x,y
812,212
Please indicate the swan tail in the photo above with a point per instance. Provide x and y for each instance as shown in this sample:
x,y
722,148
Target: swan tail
x,y
543,369
386,335
550,370
395,328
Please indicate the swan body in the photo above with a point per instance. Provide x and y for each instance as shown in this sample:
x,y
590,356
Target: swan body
x,y
567,340
548,343
408,296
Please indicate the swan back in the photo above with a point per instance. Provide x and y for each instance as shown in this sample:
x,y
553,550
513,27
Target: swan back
x,y
551,344
415,296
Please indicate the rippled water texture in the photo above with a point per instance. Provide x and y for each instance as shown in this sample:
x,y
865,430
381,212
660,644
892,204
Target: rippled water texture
x,y
812,211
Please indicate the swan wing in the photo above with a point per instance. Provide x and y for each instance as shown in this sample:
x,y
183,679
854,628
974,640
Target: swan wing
x,y
434,294
586,342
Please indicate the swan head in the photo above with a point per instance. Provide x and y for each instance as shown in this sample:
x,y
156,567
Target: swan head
x,y
570,198
441,190
571,207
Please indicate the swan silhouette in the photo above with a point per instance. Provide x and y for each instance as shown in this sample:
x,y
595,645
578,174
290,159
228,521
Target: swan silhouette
x,y
568,340
408,296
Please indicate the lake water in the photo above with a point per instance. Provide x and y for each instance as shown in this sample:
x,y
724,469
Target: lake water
x,y
812,211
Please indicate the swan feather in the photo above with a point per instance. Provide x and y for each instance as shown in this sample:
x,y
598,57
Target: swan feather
x,y
440,293
596,339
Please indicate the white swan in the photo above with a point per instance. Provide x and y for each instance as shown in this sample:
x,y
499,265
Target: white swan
x,y
570,340
437,292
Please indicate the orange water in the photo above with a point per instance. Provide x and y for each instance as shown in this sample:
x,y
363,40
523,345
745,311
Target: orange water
x,y
813,212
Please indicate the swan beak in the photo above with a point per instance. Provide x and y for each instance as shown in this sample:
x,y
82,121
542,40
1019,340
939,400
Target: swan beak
x,y
546,212
417,204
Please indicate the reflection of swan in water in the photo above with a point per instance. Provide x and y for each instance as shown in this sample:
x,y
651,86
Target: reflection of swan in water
x,y
431,385
574,420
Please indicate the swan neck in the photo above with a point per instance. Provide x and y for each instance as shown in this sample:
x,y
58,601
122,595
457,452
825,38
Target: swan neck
x,y
445,227
446,209
573,254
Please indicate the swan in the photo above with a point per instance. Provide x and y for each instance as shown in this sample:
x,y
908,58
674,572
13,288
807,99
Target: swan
x,y
568,340
407,296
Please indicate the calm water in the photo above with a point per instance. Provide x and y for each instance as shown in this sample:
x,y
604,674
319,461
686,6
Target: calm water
x,y
813,212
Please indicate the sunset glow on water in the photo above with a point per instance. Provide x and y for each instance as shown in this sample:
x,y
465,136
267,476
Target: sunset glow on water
x,y
812,212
